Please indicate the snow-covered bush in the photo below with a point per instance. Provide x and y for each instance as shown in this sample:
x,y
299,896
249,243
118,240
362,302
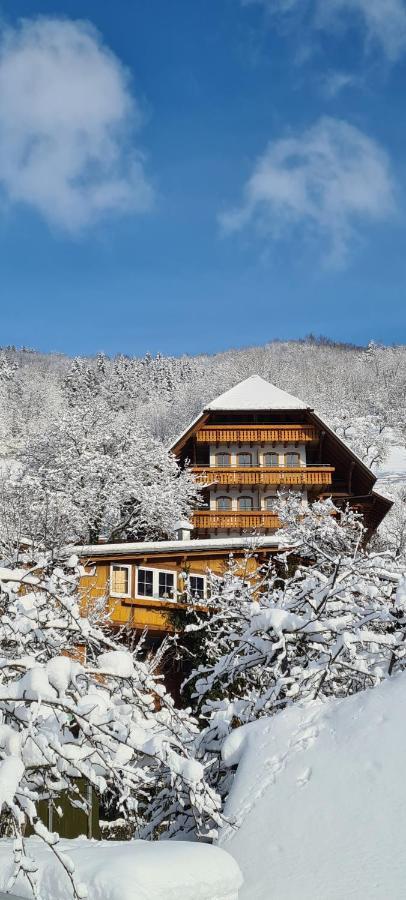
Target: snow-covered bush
x,y
75,704
327,618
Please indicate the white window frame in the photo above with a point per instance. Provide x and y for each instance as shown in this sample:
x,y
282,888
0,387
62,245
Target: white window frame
x,y
175,585
204,579
137,573
129,570
155,584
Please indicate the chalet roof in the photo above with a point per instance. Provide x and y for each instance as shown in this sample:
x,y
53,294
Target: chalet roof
x,y
256,394
255,542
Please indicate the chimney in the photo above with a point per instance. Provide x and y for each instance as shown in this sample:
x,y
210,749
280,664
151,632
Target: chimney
x,y
183,530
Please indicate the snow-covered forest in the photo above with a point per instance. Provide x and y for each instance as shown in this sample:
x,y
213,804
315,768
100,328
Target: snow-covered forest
x,y
83,441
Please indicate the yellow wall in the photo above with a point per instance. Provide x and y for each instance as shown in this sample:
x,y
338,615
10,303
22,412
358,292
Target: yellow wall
x,y
139,612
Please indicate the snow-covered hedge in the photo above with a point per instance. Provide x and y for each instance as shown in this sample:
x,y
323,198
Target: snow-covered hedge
x,y
135,870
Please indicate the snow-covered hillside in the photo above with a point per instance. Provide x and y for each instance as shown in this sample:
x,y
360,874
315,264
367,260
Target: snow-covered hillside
x,y
393,470
319,800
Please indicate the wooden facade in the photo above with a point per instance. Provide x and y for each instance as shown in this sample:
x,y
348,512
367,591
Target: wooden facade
x,y
282,448
184,560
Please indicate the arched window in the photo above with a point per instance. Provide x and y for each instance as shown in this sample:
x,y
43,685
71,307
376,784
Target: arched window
x,y
223,502
271,459
270,503
223,459
292,459
244,459
245,503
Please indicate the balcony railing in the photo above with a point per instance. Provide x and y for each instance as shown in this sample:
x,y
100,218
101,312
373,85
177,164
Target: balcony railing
x,y
266,475
255,434
224,518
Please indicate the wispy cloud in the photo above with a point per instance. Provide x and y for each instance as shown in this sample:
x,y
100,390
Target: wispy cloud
x,y
383,21
67,121
328,181
335,81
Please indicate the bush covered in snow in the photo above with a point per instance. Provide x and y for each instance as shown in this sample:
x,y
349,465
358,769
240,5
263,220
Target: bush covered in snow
x,y
326,619
74,704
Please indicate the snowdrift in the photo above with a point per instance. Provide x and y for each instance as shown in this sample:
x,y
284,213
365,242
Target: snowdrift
x,y
134,870
319,799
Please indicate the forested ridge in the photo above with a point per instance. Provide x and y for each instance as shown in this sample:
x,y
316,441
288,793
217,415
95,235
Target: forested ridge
x,y
86,438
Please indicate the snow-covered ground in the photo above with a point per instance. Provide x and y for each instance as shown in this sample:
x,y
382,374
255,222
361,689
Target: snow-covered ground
x,y
319,800
134,870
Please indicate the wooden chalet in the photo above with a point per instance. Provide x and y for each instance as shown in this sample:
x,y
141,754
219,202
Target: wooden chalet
x,y
256,440
245,446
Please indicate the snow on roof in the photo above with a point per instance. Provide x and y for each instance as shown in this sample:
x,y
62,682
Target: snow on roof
x,y
128,549
256,393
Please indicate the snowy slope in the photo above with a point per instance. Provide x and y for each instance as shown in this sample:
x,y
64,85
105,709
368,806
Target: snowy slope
x,y
134,870
319,800
393,470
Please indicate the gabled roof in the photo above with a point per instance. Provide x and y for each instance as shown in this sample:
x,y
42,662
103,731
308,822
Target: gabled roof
x,y
255,394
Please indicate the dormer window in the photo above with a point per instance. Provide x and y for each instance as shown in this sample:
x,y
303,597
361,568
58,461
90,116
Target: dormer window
x,y
292,459
271,459
244,459
223,459
224,503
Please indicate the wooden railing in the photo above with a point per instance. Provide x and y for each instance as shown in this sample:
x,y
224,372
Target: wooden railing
x,y
266,475
224,518
255,434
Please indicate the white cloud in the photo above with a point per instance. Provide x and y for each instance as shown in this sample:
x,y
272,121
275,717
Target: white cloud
x,y
383,21
328,181
334,82
67,118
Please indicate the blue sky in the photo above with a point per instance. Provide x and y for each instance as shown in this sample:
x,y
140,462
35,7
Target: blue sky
x,y
192,176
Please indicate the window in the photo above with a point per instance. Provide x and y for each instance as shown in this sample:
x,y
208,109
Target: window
x,y
120,581
224,503
270,503
166,584
157,584
245,502
271,459
223,459
196,587
145,582
292,459
244,459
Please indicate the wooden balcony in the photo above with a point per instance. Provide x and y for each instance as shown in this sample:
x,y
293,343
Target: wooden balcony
x,y
265,475
256,434
224,518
